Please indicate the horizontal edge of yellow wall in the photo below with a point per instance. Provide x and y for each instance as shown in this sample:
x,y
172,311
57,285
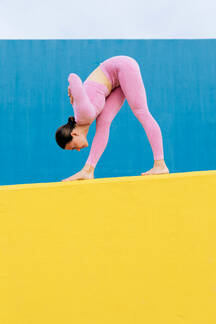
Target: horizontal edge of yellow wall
x,y
108,180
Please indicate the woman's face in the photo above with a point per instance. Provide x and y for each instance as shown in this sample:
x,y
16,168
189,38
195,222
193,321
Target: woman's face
x,y
78,142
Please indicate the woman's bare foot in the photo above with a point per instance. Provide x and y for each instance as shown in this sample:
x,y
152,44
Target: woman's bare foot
x,y
81,175
85,174
158,168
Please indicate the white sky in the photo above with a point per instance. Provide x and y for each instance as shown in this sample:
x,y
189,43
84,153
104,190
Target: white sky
x,y
111,19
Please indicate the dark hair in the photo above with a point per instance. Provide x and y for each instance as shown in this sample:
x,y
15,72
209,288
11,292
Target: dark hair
x,y
63,133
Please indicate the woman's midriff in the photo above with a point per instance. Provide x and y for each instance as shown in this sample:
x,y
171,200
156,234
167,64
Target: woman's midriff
x,y
98,76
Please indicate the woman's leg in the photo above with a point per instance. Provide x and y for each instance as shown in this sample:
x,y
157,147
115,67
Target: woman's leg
x,y
131,82
112,106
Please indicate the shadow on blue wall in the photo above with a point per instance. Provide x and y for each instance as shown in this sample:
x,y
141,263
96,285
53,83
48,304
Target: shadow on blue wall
x,y
180,81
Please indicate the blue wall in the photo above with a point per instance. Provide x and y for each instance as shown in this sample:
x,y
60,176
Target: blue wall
x,y
180,82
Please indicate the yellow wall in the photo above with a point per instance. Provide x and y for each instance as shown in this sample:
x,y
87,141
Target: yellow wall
x,y
120,250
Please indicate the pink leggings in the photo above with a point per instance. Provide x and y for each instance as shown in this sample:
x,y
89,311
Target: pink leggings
x,y
91,102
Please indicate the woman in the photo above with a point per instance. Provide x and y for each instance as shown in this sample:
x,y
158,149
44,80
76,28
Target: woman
x,y
100,97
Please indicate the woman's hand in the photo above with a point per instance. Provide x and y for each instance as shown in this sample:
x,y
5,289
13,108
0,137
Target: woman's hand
x,y
69,95
85,174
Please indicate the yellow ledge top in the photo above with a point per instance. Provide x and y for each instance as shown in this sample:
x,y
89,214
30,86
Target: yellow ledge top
x,y
108,180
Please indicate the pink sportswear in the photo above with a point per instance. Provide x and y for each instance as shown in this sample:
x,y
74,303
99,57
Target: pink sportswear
x,y
92,100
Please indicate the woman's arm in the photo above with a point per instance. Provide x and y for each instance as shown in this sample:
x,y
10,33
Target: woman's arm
x,y
84,111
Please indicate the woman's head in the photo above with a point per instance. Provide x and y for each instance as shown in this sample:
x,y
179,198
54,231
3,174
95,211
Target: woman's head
x,y
70,137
